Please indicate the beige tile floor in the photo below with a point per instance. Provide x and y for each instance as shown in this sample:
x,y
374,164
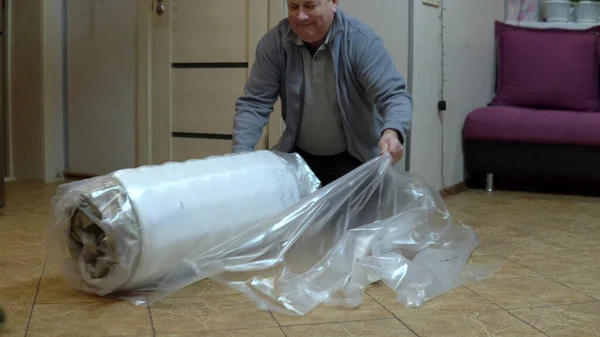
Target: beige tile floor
x,y
549,284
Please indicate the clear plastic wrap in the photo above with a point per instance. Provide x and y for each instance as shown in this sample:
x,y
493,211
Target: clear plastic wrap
x,y
125,230
374,224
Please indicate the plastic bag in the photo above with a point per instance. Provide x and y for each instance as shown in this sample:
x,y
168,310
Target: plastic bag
x,y
372,224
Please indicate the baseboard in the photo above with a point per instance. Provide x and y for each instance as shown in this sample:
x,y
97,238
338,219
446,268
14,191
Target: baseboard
x,y
9,179
454,190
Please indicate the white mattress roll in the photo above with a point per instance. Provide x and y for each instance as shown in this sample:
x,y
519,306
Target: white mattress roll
x,y
126,230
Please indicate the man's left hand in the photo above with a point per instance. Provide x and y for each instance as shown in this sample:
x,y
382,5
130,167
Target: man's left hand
x,y
390,142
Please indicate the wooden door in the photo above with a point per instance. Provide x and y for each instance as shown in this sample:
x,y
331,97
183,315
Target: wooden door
x,y
201,55
100,69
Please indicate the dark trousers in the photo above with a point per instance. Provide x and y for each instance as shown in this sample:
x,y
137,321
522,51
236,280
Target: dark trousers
x,y
329,168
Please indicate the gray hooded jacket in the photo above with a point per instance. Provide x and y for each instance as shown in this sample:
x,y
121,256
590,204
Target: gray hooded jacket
x,y
372,94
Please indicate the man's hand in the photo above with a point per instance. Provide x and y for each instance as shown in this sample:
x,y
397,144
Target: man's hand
x,y
390,142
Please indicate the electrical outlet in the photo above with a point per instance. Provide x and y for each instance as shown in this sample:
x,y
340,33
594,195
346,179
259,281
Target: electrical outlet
x,y
435,3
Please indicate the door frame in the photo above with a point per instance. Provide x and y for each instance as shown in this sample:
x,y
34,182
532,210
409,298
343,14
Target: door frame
x,y
145,117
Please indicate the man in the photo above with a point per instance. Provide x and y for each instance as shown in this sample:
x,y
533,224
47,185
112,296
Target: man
x,y
343,100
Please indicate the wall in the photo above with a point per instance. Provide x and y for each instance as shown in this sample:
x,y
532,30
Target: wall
x,y
468,66
53,91
470,71
425,151
97,135
390,19
26,120
35,108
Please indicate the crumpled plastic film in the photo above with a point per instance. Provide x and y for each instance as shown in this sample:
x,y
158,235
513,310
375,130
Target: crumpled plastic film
x,y
373,224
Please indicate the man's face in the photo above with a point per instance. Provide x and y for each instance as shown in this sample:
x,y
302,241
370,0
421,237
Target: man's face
x,y
311,19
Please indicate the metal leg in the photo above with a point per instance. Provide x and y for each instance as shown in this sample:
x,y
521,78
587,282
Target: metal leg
x,y
489,182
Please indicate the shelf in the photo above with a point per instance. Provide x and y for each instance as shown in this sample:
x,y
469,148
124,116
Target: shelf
x,y
562,25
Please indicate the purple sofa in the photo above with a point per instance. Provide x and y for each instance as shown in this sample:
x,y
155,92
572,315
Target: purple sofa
x,y
544,119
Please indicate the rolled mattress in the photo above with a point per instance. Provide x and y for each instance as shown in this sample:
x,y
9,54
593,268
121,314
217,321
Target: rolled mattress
x,y
124,231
